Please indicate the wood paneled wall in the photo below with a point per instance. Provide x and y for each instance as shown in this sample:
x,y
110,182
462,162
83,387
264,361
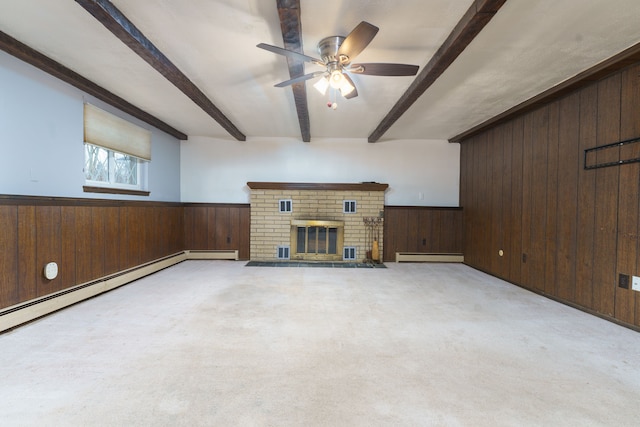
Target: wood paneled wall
x,y
422,229
87,239
565,231
218,227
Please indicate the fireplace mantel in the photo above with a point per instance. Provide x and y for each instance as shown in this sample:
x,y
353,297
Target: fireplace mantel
x,y
364,186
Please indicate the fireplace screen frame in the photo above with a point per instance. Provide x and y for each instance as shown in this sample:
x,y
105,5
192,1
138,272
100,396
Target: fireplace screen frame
x,y
315,254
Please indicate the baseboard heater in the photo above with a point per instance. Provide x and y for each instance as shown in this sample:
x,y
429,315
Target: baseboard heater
x,y
428,257
13,316
27,311
213,254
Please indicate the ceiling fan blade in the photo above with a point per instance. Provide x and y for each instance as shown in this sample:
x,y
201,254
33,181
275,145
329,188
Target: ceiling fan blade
x,y
354,92
357,40
289,53
382,69
300,79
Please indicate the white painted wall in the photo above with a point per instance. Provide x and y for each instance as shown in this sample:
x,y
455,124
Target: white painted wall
x,y
41,139
419,172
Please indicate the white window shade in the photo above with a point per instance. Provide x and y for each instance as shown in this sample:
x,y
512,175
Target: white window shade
x,y
111,132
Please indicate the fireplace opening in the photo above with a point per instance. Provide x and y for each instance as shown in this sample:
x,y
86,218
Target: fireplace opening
x,y
317,240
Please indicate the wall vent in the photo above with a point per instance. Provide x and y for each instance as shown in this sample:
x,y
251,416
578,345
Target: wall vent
x,y
283,252
349,253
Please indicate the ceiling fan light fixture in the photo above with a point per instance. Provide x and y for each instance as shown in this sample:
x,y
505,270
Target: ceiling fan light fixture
x,y
345,87
322,85
336,79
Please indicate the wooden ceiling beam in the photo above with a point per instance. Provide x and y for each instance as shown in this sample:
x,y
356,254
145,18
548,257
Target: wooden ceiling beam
x,y
291,26
59,71
116,22
473,21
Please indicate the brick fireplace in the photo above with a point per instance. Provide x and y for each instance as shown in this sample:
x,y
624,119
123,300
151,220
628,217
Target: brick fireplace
x,y
316,222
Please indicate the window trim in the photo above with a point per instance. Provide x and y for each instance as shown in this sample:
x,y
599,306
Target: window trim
x,y
111,190
92,186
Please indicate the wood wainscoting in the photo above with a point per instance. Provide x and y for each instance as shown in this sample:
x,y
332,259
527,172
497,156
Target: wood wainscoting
x,y
565,232
419,229
88,239
218,227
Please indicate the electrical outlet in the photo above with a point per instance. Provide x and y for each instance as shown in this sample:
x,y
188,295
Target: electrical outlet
x,y
635,285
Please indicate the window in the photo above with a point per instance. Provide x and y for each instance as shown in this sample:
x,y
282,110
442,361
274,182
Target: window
x,y
349,253
283,252
104,167
116,154
285,205
349,206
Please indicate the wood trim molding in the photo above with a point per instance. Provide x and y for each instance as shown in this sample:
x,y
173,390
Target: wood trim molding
x,y
365,186
59,71
7,199
615,63
291,26
215,205
116,22
473,21
431,208
108,190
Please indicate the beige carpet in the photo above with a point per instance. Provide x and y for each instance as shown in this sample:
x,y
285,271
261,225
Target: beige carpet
x,y
214,343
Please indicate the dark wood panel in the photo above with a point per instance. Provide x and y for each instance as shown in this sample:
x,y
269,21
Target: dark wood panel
x,y
627,304
201,234
48,248
515,256
422,231
113,237
212,214
568,166
222,228
606,198
245,233
233,241
507,217
68,231
527,199
84,272
392,231
626,300
97,243
27,270
9,258
495,163
466,191
586,200
189,227
413,228
484,227
551,222
536,258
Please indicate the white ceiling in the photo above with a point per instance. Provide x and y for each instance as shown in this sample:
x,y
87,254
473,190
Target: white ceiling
x,y
528,47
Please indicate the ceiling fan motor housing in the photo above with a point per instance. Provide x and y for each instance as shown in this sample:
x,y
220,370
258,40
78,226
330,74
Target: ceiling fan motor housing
x,y
328,49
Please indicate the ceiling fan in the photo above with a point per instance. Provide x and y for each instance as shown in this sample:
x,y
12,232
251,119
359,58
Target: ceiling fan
x,y
337,52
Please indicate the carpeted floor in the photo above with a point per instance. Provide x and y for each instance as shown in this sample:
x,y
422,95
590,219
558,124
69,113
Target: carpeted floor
x,y
212,343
